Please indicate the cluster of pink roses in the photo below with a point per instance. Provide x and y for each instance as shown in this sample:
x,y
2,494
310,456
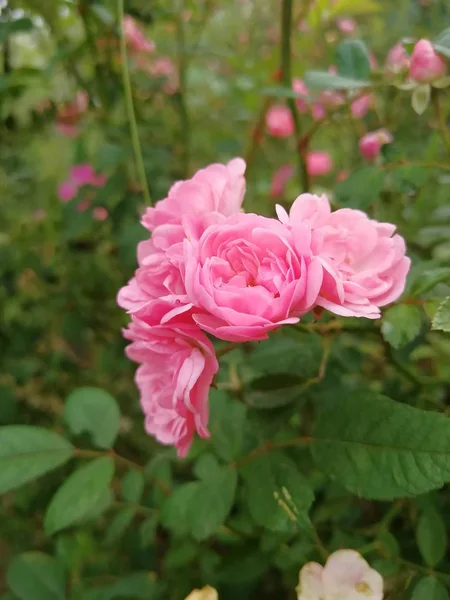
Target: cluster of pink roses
x,y
208,267
80,176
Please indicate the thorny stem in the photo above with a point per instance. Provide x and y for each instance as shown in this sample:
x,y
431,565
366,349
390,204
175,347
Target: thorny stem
x,y
286,27
130,108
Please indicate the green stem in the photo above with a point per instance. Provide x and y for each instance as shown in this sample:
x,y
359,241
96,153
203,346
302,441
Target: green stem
x,y
445,133
130,107
185,128
286,28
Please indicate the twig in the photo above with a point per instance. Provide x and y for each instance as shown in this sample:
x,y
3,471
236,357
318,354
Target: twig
x,y
130,107
286,27
120,460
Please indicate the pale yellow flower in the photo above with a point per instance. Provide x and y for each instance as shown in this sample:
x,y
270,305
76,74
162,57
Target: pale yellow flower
x,y
206,593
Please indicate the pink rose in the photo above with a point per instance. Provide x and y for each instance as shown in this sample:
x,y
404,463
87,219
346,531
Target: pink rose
x,y
280,178
318,111
397,60
361,106
250,274
279,121
178,364
135,37
364,263
345,575
426,64
299,87
318,163
371,143
84,174
190,207
216,189
347,26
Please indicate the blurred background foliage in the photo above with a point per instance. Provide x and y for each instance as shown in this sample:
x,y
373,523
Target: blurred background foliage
x,y
136,522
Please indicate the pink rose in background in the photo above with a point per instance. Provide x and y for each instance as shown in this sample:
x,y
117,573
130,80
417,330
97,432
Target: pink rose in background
x,y
279,121
364,263
342,175
249,275
177,366
327,101
426,64
70,131
318,163
165,68
280,178
318,111
397,60
67,191
299,87
347,26
371,143
135,37
346,575
361,106
99,213
80,175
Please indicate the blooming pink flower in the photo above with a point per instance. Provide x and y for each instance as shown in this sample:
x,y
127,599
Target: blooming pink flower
x,y
178,364
364,263
135,37
250,274
191,205
280,178
346,25
371,143
361,106
426,64
318,163
299,87
318,111
327,100
84,174
99,213
397,59
279,121
345,575
67,191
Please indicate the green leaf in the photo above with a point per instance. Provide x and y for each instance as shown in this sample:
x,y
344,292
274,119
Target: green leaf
x,y
94,411
36,576
323,80
133,487
352,59
137,585
81,496
381,449
429,588
8,28
212,502
273,391
431,536
361,189
278,495
441,320
442,42
28,452
175,514
226,424
421,98
401,324
299,356
120,523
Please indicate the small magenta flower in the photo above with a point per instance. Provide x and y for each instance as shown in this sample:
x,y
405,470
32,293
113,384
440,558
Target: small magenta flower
x,y
426,64
279,121
370,144
80,175
361,106
318,163
67,191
